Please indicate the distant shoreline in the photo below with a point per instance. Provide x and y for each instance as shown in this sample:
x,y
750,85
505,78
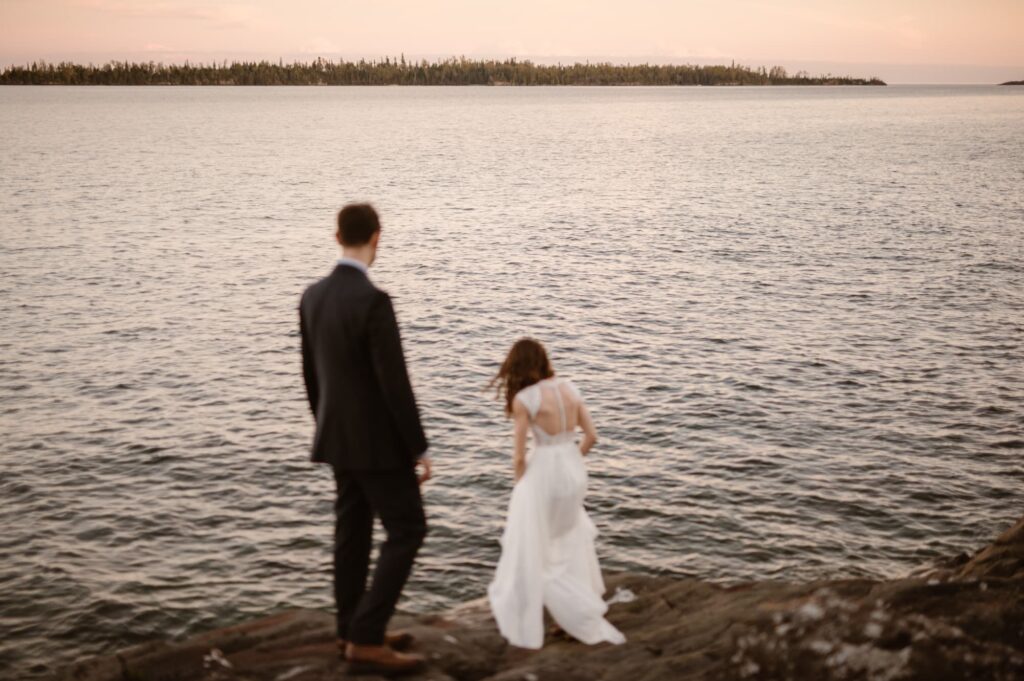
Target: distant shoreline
x,y
1013,82
509,72
426,85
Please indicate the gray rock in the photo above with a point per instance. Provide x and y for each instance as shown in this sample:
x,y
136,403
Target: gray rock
x,y
964,620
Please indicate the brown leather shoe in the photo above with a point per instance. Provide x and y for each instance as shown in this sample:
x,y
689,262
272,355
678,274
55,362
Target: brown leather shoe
x,y
399,640
381,660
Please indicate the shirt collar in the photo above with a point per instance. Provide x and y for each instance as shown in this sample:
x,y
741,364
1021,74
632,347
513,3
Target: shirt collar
x,y
352,262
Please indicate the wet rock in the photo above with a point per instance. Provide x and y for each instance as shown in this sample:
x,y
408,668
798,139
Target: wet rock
x,y
963,620
1004,558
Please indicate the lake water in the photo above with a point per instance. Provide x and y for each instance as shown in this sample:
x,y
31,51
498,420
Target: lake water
x,y
796,314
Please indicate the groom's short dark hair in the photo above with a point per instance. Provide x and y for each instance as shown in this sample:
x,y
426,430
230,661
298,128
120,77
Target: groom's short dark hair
x,y
357,223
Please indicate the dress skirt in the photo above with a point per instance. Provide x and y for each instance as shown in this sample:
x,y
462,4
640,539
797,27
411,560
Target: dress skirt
x,y
548,559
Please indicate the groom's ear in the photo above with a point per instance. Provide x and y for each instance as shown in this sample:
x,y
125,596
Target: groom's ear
x,y
375,239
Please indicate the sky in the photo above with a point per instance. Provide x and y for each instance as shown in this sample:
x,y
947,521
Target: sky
x,y
923,41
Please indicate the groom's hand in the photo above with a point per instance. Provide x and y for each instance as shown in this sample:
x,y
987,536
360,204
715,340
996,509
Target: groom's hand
x,y
424,464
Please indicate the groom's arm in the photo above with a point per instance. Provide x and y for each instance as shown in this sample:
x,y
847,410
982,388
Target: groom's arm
x,y
389,366
308,369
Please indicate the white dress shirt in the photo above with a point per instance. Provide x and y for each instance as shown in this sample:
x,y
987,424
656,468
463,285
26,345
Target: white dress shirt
x,y
352,262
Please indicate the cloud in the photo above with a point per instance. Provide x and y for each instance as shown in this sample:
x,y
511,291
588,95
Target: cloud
x,y
230,15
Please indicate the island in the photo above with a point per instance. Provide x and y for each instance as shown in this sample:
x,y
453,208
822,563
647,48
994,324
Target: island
x,y
399,71
1013,82
957,620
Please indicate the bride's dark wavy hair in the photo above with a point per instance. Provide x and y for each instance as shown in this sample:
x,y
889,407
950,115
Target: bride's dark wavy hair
x,y
527,363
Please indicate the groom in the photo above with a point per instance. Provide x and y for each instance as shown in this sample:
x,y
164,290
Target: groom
x,y
368,428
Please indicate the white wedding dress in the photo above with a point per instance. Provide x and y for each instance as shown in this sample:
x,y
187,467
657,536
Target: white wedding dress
x,y
548,558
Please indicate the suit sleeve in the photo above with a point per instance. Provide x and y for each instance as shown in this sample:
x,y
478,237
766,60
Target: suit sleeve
x,y
308,367
389,367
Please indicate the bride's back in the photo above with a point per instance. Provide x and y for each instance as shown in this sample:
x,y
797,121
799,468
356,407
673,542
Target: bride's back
x,y
553,405
549,415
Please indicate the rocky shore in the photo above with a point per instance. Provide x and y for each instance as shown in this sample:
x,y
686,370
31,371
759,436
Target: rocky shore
x,y
963,620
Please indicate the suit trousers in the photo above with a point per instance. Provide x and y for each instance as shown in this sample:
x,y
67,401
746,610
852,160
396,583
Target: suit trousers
x,y
394,497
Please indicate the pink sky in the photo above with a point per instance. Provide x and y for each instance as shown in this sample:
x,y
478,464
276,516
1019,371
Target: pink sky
x,y
900,40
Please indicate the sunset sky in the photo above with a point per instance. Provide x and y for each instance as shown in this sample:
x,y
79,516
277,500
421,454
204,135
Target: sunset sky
x,y
899,40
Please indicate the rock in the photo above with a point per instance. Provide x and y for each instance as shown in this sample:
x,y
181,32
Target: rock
x,y
964,620
1003,558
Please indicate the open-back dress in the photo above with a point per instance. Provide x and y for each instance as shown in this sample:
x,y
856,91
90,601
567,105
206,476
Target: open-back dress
x,y
548,558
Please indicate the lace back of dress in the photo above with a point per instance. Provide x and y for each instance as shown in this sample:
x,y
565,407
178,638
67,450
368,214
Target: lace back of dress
x,y
541,436
561,407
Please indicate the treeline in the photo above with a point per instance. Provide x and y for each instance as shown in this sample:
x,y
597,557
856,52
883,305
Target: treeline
x,y
399,71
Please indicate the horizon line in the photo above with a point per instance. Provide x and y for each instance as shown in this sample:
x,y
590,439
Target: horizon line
x,y
909,73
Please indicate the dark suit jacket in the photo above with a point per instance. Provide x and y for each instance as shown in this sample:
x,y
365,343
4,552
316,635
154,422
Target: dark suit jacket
x,y
356,380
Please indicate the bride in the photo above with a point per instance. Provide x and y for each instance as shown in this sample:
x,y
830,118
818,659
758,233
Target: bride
x,y
547,558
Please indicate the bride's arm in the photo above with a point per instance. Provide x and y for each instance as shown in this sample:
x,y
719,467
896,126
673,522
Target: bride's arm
x,y
589,432
521,420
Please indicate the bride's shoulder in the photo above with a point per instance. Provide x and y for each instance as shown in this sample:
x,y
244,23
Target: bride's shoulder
x,y
530,397
567,382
